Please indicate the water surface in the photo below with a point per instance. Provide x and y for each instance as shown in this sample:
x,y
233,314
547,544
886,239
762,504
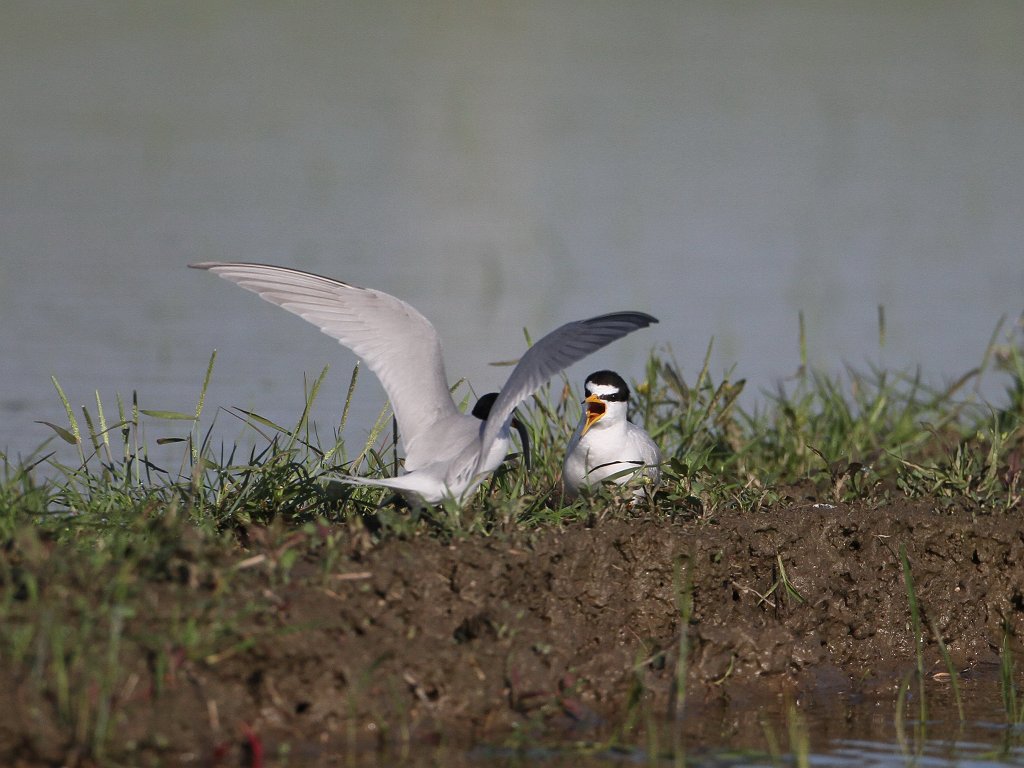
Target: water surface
x,y
500,166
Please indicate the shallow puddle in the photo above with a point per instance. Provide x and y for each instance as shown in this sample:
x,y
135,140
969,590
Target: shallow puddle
x,y
940,744
843,734
843,731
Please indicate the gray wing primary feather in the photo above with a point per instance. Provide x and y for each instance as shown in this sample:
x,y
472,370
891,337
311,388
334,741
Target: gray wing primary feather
x,y
397,343
555,352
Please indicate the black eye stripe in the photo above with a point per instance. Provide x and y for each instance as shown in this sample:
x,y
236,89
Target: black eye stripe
x,y
614,397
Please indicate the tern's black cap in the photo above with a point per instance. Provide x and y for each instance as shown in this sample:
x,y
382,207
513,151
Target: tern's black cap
x,y
609,379
483,406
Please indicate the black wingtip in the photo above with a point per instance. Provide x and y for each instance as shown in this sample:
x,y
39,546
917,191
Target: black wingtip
x,y
651,319
639,319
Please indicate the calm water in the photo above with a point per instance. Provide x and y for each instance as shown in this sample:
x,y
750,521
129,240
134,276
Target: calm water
x,y
499,165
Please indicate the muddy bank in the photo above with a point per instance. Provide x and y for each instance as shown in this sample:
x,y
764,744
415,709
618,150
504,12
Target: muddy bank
x,y
559,631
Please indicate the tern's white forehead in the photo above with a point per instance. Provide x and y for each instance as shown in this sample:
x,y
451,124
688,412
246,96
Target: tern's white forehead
x,y
601,390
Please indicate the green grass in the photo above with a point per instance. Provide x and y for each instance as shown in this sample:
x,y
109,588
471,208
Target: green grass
x,y
119,518
858,435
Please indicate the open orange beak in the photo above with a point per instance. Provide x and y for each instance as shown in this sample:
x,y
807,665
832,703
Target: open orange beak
x,y
595,410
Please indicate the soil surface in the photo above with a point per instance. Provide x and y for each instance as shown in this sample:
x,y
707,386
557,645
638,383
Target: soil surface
x,y
559,631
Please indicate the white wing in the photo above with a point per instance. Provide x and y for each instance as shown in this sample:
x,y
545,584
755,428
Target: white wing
x,y
555,352
397,343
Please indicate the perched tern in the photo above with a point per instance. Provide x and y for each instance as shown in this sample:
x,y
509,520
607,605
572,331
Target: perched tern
x,y
447,453
605,441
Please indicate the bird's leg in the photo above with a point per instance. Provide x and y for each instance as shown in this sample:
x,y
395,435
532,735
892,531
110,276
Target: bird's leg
x,y
371,517
371,521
